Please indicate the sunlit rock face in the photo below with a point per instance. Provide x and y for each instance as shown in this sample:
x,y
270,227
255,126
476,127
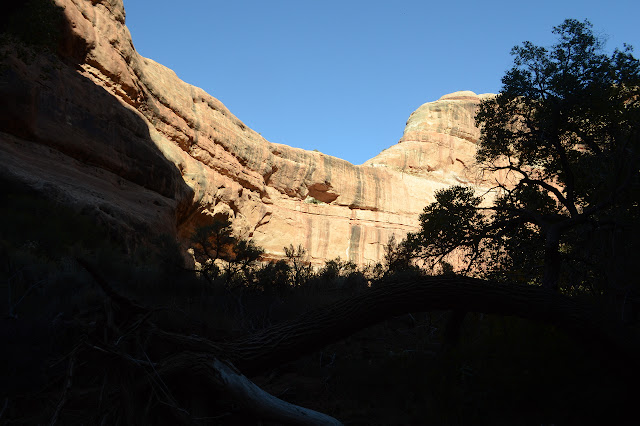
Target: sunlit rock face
x,y
439,141
122,138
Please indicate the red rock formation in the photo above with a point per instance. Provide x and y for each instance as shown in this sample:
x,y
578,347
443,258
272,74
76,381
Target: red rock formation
x,y
101,127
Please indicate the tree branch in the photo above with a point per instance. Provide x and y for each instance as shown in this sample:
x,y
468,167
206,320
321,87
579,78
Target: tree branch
x,y
317,328
555,191
570,179
225,378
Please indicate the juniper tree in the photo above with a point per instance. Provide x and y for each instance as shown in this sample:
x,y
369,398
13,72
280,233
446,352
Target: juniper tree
x,y
564,133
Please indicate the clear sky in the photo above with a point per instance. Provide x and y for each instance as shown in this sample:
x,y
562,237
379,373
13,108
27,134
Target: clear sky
x,y
343,76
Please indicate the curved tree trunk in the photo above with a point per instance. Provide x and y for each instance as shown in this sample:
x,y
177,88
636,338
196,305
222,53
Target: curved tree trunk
x,y
192,358
226,379
290,340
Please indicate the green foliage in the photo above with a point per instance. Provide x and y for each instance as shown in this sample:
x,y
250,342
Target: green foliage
x,y
211,243
569,113
311,200
398,259
237,264
301,269
393,373
448,224
564,131
565,128
274,277
335,268
223,255
214,240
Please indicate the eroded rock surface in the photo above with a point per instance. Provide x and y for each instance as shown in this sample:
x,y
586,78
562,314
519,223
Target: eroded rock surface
x,y
121,136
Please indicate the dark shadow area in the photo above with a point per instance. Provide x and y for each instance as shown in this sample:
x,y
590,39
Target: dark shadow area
x,y
90,317
35,22
46,102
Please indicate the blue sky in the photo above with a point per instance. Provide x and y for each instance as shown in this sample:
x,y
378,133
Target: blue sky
x,y
342,77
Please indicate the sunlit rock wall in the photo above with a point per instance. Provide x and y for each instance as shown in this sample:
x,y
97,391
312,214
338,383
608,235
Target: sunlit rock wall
x,y
122,138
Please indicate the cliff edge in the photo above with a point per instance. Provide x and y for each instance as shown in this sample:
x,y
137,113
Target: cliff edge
x,y
122,138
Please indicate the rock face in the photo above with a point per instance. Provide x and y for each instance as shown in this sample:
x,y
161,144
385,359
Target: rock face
x,y
439,141
120,137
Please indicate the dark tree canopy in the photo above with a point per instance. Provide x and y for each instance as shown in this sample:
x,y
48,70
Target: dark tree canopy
x,y
564,133
565,215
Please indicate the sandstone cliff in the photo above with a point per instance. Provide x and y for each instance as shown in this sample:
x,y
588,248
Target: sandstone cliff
x,y
120,137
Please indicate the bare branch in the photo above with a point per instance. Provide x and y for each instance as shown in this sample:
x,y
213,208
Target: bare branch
x,y
224,377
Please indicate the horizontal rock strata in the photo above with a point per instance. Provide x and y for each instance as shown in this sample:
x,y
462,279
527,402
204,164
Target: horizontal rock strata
x,y
120,136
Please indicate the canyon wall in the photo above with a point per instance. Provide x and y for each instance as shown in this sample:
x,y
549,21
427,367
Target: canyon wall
x,y
123,139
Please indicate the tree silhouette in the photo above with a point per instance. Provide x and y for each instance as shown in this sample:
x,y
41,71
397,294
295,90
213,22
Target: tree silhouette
x,y
564,132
